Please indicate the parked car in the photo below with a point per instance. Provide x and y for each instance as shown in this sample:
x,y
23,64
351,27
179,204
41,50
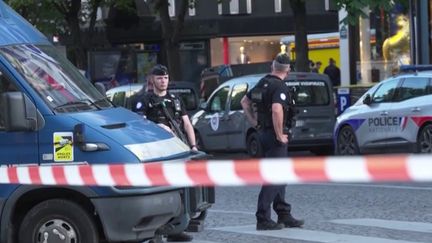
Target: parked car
x,y
222,126
187,91
395,115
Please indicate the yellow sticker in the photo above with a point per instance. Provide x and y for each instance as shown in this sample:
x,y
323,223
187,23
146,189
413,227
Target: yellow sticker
x,y
63,146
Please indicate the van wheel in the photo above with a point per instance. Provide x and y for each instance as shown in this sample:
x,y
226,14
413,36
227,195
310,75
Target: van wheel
x,y
253,144
424,140
57,220
347,142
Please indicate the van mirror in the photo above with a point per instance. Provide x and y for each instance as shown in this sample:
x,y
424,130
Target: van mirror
x,y
367,100
19,113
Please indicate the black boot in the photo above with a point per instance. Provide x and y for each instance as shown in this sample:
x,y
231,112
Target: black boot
x,y
289,221
181,237
269,225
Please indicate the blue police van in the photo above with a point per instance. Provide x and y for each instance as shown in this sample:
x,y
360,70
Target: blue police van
x,y
50,114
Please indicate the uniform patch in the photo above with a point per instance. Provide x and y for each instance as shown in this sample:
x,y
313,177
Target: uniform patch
x,y
138,105
283,96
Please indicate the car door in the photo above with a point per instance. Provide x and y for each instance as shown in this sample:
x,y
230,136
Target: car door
x,y
373,132
410,106
212,126
236,120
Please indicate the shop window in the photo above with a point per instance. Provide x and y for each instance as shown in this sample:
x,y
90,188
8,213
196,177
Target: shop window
x,y
171,8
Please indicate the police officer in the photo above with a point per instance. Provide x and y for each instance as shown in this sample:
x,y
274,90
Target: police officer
x,y
163,108
166,110
272,117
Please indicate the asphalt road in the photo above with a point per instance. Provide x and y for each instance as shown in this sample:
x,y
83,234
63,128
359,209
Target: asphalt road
x,y
351,213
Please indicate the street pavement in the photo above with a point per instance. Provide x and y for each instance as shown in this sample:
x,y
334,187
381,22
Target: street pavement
x,y
336,213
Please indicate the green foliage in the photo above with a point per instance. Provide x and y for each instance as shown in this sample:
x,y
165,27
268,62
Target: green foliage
x,y
355,7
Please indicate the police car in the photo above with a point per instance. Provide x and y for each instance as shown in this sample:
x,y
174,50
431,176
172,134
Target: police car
x,y
395,115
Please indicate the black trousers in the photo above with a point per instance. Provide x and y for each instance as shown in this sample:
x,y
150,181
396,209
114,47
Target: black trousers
x,y
274,193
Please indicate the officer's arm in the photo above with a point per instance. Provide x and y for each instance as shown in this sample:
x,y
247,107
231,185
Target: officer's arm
x,y
246,104
187,125
277,118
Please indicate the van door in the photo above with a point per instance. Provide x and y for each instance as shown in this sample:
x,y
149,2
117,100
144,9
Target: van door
x,y
213,126
17,147
236,120
315,117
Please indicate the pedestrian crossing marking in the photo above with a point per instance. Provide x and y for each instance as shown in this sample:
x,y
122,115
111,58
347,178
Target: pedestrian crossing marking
x,y
388,224
308,235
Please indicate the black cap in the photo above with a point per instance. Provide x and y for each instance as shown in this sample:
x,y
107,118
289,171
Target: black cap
x,y
159,70
282,58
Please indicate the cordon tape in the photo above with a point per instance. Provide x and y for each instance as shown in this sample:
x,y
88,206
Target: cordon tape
x,y
390,168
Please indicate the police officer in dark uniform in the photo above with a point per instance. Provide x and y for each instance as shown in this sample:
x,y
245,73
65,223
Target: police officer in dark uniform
x,y
166,110
272,118
163,108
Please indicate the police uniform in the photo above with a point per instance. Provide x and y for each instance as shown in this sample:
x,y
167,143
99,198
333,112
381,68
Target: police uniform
x,y
151,106
273,90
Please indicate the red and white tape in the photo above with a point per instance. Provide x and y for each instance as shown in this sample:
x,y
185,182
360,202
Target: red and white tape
x,y
228,172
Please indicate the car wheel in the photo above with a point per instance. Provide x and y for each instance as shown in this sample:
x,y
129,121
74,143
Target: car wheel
x,y
57,220
347,142
253,144
424,140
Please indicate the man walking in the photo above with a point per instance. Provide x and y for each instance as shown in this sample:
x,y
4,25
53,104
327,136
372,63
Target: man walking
x,y
272,119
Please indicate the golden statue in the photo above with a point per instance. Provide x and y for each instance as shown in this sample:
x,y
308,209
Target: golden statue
x,y
397,47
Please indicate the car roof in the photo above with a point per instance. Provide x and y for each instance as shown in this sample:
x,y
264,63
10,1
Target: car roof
x,y
14,29
254,78
139,86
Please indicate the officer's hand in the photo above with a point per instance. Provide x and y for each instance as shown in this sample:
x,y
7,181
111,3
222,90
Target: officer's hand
x,y
283,138
194,148
165,127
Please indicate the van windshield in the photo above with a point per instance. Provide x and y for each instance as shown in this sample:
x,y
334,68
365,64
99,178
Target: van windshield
x,y
54,78
309,92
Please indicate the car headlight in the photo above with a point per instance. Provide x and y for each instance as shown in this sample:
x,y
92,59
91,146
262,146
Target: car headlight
x,y
158,149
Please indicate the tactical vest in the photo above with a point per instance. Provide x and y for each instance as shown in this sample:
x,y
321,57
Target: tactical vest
x,y
155,111
261,96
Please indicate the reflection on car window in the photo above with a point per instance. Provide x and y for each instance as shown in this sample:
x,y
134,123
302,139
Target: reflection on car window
x,y
219,100
53,77
309,92
385,92
238,92
413,87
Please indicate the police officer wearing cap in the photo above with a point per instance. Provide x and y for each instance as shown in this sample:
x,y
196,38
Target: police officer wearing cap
x,y
268,107
166,110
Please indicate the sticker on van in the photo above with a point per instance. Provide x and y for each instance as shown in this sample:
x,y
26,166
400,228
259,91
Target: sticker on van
x,y
63,146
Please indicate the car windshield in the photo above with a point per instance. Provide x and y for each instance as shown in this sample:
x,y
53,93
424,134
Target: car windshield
x,y
54,78
309,92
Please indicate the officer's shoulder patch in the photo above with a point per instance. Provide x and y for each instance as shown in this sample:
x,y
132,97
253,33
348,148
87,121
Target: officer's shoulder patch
x,y
283,96
138,105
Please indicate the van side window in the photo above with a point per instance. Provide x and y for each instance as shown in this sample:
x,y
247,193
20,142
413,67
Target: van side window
x,y
237,94
412,87
219,100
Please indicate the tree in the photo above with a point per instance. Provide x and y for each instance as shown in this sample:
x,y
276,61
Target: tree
x,y
301,43
171,31
65,18
355,8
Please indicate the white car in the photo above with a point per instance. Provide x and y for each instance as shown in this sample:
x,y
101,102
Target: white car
x,y
395,115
